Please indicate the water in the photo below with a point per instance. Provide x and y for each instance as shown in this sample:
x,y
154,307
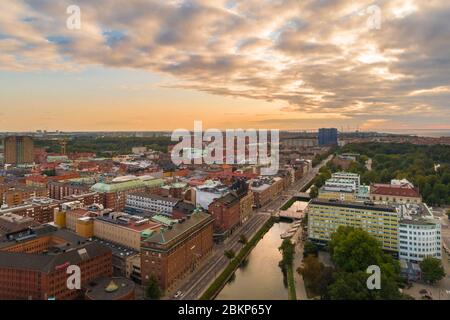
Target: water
x,y
260,277
436,133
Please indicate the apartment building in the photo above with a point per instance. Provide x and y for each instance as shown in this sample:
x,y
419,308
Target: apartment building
x,y
419,233
381,221
150,203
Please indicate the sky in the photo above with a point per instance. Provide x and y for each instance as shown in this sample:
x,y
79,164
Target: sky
x,y
143,65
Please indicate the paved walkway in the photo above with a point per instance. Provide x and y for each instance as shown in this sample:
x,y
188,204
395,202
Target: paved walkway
x,y
299,283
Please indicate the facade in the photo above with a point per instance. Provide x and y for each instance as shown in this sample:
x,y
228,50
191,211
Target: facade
x,y
60,189
266,189
115,193
18,194
173,253
226,213
33,264
246,206
148,202
18,150
40,209
123,229
395,193
381,221
419,233
328,136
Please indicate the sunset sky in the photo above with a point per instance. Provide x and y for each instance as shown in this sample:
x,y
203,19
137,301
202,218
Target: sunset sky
x,y
287,64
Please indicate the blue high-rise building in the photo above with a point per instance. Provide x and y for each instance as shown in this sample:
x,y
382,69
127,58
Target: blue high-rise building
x,y
328,136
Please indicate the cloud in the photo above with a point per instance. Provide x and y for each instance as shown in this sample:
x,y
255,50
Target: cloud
x,y
309,56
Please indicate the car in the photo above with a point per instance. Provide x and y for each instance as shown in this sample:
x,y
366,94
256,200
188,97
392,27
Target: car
x,y
178,294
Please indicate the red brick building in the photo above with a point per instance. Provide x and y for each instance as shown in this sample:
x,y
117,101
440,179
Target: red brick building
x,y
172,254
226,213
34,262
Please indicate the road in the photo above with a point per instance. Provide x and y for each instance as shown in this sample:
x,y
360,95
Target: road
x,y
210,269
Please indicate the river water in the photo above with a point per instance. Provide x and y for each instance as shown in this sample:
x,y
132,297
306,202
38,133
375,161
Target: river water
x,y
260,277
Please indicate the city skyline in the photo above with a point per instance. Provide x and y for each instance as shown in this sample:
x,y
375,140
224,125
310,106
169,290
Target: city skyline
x,y
287,65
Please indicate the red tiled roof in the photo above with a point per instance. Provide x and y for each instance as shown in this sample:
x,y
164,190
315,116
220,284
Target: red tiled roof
x,y
394,190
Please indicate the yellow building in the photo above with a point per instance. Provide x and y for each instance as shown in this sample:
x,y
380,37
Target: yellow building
x,y
381,221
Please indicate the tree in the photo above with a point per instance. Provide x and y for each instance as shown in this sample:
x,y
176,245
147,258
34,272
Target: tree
x,y
243,239
353,249
353,286
153,291
229,254
287,249
317,277
432,270
310,248
314,192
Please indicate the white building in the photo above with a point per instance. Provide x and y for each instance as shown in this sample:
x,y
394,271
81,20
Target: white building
x,y
205,194
419,233
347,176
151,203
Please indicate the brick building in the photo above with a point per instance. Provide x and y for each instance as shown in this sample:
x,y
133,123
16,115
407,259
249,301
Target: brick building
x,y
226,212
34,262
173,253
40,209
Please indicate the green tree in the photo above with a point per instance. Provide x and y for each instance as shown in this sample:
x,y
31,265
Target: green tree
x,y
432,270
314,192
153,291
353,249
243,239
310,248
230,254
287,249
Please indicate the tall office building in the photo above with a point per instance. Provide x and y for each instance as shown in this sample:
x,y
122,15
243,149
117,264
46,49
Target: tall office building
x,y
18,150
328,136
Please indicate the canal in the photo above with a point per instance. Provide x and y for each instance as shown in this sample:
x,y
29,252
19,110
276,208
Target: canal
x,y
260,277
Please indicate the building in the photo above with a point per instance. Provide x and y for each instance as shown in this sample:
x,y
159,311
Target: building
x,y
396,192
115,193
150,203
328,136
206,193
126,261
61,189
266,189
245,206
174,252
226,212
380,221
17,194
123,229
18,150
10,223
34,262
344,186
419,233
40,209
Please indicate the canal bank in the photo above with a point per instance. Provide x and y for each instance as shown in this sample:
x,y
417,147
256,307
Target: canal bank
x,y
259,276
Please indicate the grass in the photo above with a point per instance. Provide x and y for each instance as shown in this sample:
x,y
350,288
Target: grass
x,y
288,204
291,283
234,264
